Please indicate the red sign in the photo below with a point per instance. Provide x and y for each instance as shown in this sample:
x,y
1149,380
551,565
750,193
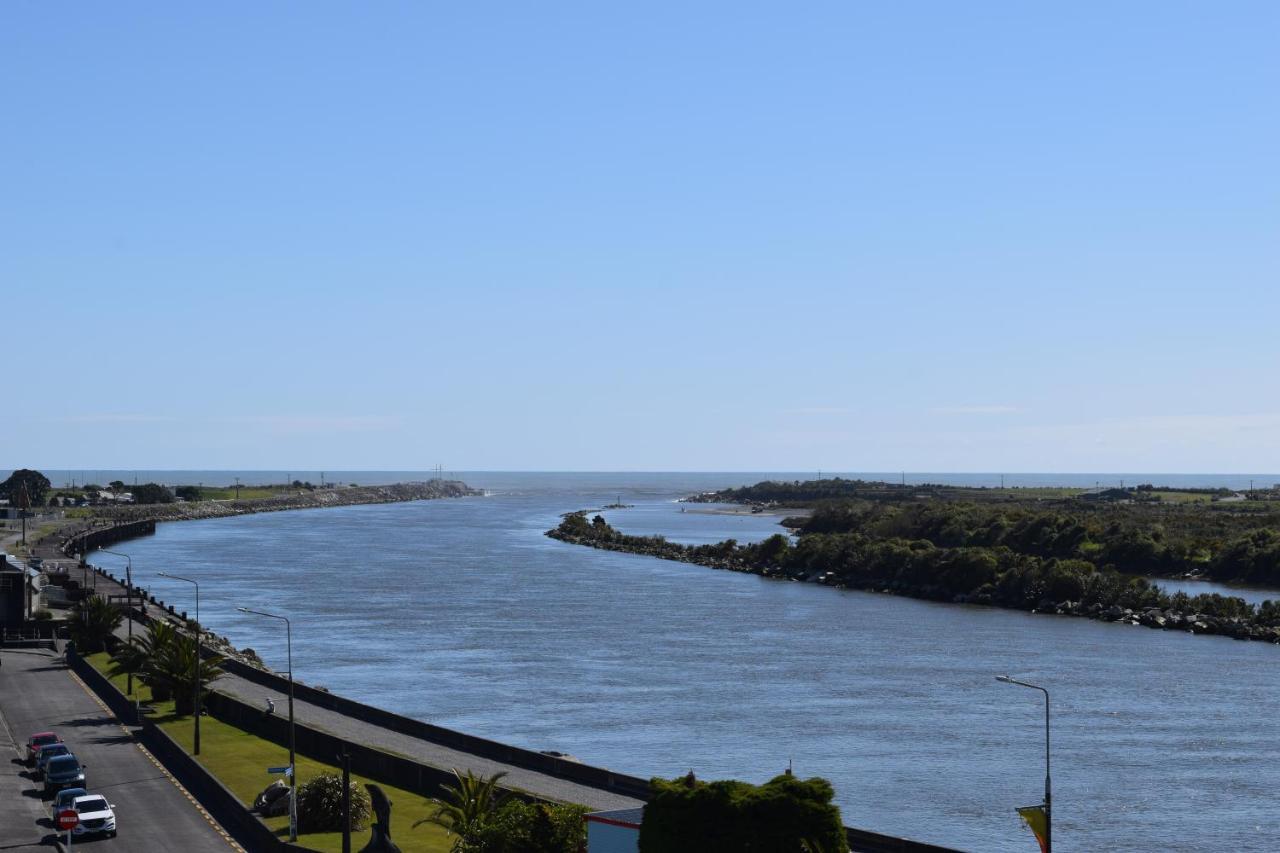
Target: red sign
x,y
68,819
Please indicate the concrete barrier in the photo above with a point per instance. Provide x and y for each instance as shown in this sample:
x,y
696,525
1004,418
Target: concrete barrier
x,y
583,774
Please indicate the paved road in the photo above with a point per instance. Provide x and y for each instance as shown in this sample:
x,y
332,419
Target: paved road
x,y
152,811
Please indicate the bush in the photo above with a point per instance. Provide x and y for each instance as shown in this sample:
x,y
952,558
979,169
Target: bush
x,y
785,815
320,805
519,827
42,615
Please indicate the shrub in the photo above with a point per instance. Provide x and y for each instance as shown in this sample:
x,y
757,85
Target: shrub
x,y
784,815
320,805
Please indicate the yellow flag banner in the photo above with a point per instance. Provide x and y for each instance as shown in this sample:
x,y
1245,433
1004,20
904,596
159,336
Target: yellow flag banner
x,y
1039,823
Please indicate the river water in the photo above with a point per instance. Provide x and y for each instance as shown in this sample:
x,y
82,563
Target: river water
x,y
462,613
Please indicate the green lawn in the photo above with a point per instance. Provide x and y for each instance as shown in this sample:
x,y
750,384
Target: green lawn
x,y
240,759
210,493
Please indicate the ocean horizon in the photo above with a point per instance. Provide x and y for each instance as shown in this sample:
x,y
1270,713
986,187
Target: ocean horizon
x,y
516,479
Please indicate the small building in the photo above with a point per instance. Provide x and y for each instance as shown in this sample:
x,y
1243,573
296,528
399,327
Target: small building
x,y
13,594
616,831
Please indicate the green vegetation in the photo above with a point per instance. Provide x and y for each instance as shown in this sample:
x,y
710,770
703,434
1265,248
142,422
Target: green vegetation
x,y
1076,556
481,818
784,815
238,760
165,660
320,805
93,622
247,493
25,488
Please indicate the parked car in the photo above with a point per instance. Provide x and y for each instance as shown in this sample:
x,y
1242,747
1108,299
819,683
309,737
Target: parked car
x,y
36,741
50,752
63,771
96,816
64,798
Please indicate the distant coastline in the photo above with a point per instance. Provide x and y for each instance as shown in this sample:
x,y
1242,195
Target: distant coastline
x,y
72,538
298,499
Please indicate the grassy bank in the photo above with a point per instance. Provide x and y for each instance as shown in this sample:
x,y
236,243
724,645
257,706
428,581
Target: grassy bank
x,y
239,760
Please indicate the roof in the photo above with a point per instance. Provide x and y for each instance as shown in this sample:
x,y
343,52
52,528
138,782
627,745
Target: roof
x,y
626,817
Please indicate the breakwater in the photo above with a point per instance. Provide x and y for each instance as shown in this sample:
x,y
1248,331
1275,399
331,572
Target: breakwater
x,y
1122,599
110,525
296,499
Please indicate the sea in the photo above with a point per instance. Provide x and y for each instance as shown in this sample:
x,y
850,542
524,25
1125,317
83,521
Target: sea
x,y
463,613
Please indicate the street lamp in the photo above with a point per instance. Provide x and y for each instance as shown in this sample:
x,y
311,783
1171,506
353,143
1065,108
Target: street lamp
x,y
128,591
1048,811
199,635
293,776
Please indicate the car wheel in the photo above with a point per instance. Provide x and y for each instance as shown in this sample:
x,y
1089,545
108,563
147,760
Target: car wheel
x,y
111,834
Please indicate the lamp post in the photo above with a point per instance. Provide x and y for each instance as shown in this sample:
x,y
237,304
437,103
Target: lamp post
x,y
128,591
293,776
1048,810
199,635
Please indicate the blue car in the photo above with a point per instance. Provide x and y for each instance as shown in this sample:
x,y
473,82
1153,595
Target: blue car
x,y
63,771
51,751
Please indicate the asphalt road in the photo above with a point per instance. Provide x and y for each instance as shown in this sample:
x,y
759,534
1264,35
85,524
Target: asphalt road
x,y
152,811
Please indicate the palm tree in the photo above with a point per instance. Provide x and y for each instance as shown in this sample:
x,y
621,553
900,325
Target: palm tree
x,y
165,660
137,657
467,808
93,621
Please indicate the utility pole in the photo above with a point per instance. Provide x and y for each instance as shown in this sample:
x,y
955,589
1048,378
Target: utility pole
x,y
345,758
237,488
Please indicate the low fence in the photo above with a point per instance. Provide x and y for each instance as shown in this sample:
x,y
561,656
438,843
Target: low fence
x,y
90,540
367,761
583,774
873,842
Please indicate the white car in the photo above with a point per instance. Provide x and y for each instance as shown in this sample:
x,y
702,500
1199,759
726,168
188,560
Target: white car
x,y
96,816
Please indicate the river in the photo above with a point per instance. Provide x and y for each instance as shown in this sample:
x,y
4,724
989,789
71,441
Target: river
x,y
462,613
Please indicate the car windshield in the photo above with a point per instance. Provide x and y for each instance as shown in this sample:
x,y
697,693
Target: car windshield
x,y
55,749
63,763
67,796
94,804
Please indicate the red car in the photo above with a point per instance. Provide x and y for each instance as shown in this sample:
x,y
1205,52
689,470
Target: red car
x,y
37,742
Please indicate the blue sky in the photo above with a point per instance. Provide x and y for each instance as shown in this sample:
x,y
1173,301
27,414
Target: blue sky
x,y
713,236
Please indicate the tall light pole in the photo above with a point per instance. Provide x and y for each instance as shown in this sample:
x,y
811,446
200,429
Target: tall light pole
x,y
1048,810
199,635
293,775
128,591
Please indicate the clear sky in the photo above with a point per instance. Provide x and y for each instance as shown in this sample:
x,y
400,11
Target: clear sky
x,y
670,236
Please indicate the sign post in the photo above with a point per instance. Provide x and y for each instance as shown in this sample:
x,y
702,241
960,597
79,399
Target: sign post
x,y
68,819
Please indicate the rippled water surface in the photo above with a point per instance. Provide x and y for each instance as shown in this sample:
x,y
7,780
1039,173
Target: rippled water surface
x,y
461,612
